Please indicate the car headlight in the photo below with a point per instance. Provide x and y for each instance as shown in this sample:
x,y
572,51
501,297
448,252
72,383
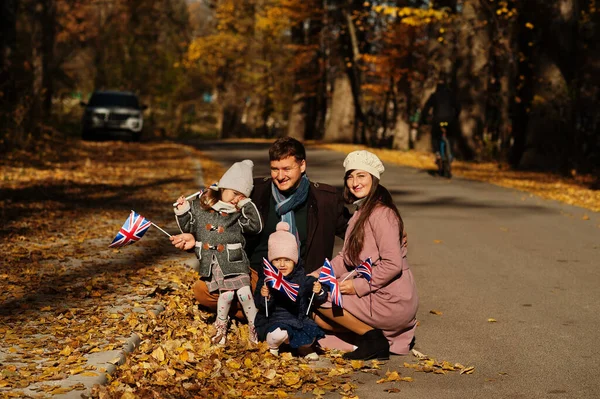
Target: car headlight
x,y
97,118
135,122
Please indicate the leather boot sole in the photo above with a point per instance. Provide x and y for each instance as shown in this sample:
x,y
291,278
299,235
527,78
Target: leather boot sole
x,y
381,355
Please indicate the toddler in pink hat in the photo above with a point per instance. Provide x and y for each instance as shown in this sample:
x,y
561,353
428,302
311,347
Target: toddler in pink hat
x,y
281,319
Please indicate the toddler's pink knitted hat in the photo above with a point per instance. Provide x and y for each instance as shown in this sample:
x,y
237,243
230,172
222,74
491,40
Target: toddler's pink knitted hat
x,y
282,243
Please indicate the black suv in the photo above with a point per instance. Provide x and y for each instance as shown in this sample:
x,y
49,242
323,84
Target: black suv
x,y
112,114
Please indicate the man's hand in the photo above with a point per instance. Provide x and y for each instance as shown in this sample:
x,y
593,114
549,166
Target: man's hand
x,y
184,241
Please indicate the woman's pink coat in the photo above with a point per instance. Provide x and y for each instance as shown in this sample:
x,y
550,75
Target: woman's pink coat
x,y
390,302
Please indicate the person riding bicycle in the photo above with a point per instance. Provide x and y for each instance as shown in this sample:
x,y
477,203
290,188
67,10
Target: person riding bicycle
x,y
444,111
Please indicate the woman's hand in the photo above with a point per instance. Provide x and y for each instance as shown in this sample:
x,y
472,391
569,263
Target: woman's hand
x,y
264,291
347,288
183,241
317,287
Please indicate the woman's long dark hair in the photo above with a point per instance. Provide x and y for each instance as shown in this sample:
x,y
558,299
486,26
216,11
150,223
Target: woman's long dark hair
x,y
378,196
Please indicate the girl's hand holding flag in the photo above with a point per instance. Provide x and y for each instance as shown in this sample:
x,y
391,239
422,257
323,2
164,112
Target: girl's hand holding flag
x,y
317,287
182,199
264,291
179,202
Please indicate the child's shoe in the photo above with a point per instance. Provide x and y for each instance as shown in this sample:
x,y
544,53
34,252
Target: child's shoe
x,y
220,337
313,357
274,352
252,336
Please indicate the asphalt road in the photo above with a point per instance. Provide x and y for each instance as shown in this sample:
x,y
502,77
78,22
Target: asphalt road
x,y
478,252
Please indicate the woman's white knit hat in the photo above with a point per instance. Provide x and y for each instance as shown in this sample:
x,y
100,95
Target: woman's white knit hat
x,y
239,177
364,160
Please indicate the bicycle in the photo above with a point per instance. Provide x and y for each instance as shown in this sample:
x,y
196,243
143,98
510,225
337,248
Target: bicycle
x,y
444,160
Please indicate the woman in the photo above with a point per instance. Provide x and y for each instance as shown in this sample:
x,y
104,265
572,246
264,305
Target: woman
x,y
381,313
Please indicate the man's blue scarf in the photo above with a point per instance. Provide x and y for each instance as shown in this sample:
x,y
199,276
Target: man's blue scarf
x,y
284,206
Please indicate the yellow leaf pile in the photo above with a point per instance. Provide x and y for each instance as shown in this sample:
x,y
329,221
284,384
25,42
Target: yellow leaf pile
x,y
66,295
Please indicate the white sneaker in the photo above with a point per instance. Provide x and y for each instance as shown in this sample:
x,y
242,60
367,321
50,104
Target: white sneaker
x,y
313,357
220,337
274,352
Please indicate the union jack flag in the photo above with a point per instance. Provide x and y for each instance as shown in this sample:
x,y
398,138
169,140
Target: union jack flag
x,y
274,279
365,269
327,276
133,229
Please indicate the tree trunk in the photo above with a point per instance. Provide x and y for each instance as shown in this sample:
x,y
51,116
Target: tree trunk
x,y
297,118
48,28
355,79
340,125
550,137
100,79
38,66
524,91
233,108
298,123
306,113
8,44
548,130
401,133
472,77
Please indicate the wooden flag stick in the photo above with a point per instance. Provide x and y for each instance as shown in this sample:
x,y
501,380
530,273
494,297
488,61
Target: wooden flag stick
x,y
188,197
152,223
160,229
310,303
351,273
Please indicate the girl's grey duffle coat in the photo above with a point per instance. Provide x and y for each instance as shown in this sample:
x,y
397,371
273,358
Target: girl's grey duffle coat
x,y
218,234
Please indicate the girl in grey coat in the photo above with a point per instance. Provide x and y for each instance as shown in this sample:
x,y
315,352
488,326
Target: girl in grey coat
x,y
215,222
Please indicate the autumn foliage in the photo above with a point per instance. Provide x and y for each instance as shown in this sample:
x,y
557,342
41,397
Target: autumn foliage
x,y
66,297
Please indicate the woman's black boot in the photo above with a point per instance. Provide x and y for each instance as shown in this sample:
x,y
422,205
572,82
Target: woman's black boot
x,y
371,345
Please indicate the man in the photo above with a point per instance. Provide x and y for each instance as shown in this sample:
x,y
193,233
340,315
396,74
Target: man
x,y
314,211
444,114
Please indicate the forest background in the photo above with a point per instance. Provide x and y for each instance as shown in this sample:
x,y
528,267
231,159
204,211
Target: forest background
x,y
526,72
